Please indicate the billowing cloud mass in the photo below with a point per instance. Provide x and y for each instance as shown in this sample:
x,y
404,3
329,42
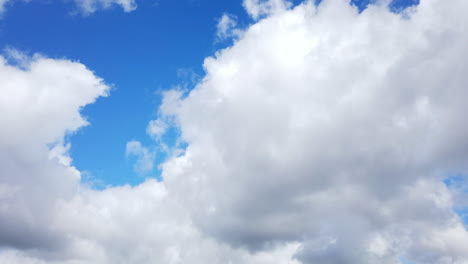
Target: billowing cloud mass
x,y
322,136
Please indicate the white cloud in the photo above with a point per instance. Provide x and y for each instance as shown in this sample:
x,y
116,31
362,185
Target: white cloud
x,y
145,157
19,58
323,124
40,103
91,6
227,27
262,8
156,128
321,136
46,216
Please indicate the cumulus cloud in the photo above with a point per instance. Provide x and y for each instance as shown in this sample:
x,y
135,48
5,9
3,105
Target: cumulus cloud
x,y
40,104
47,216
323,135
334,129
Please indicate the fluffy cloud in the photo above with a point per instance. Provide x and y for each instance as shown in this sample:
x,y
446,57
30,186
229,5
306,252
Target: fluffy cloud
x,y
40,104
334,129
321,136
47,216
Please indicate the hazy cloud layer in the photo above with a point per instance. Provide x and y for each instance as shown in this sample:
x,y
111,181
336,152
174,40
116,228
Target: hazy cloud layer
x,y
2,5
85,7
321,136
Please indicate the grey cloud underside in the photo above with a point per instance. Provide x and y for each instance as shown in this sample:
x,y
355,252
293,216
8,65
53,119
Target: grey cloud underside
x,y
322,136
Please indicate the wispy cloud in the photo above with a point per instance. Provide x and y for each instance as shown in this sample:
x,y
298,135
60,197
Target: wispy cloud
x,y
85,7
90,6
144,157
227,27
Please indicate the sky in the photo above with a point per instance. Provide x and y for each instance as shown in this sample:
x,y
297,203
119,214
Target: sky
x,y
239,131
153,56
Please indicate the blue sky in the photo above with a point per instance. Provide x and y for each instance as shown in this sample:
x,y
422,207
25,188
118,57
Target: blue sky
x,y
139,53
